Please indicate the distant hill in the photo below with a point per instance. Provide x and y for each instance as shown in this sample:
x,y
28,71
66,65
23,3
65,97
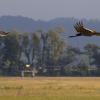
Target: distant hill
x,y
24,24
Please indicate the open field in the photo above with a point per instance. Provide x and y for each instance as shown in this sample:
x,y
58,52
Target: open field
x,y
50,88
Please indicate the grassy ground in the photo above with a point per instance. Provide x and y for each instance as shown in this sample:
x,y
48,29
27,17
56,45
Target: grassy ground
x,y
50,88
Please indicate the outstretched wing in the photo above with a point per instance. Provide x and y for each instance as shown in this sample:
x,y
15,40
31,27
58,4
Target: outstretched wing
x,y
2,33
79,27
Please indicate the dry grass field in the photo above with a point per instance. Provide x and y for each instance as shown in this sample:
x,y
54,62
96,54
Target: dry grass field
x,y
50,88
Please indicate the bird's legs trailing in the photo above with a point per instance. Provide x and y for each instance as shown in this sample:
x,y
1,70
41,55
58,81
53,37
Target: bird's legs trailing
x,y
76,35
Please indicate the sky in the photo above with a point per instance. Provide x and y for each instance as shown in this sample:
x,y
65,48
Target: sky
x,y
50,9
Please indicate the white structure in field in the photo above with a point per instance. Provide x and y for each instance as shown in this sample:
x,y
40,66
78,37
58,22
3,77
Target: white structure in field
x,y
29,69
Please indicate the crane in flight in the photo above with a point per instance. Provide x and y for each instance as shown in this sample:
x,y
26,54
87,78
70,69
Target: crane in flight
x,y
83,31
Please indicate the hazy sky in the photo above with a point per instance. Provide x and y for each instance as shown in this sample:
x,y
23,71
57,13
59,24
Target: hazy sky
x,y
49,9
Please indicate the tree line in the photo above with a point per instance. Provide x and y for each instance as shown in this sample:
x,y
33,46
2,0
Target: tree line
x,y
48,53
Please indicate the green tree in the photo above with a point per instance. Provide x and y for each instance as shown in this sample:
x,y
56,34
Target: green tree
x,y
93,51
11,51
56,46
26,48
36,52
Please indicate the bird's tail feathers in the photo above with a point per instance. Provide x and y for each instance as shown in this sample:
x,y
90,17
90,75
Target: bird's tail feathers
x,y
72,36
